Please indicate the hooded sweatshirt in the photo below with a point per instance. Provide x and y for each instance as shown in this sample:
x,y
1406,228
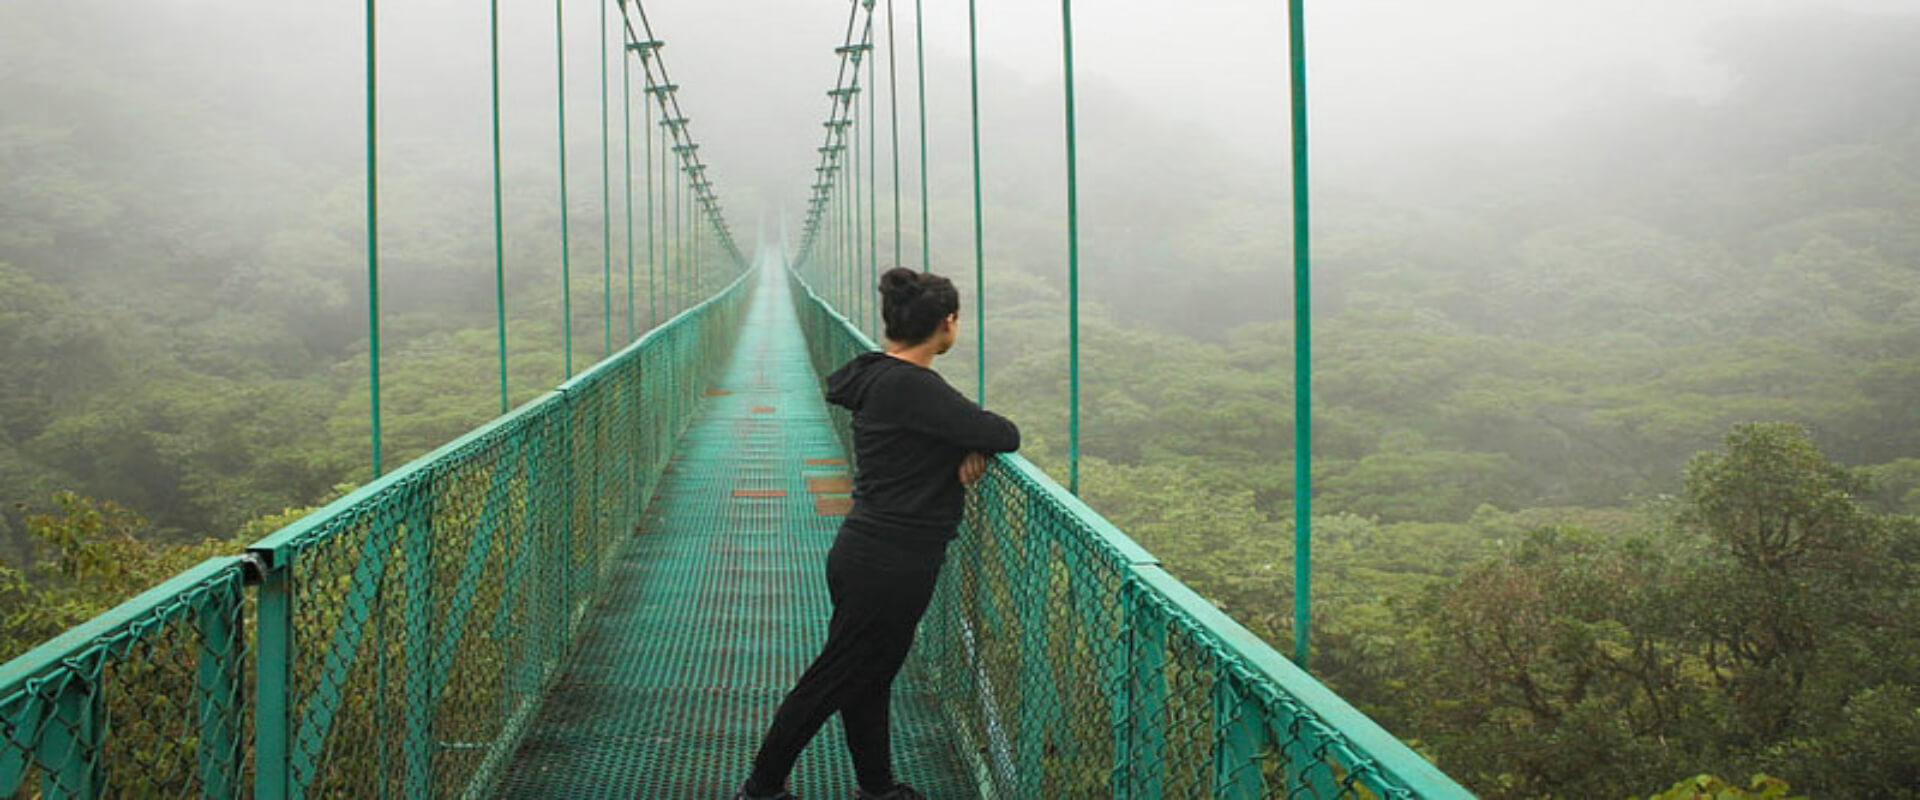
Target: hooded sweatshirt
x,y
910,432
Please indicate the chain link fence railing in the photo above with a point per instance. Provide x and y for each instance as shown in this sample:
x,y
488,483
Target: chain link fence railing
x,y
408,631
401,637
146,700
1072,665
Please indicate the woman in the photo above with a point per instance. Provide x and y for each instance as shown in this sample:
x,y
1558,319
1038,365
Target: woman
x,y
917,442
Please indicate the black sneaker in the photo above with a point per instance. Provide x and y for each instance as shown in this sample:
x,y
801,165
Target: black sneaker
x,y
900,791
743,794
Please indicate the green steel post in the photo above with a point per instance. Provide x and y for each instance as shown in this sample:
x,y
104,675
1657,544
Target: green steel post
x,y
273,683
1073,261
373,238
920,64
606,201
979,234
893,105
1303,349
566,239
499,211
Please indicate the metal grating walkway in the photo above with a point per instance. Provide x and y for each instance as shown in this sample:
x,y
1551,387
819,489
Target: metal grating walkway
x,y
718,605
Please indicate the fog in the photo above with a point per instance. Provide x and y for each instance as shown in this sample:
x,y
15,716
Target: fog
x,y
1580,271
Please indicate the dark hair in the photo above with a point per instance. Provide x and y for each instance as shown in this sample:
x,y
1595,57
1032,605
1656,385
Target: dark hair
x,y
914,303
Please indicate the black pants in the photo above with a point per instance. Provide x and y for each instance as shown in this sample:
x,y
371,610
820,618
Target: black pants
x,y
879,594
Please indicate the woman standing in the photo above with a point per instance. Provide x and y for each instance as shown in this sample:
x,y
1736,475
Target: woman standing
x,y
917,443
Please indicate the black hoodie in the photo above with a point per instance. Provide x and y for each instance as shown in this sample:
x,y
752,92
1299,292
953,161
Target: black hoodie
x,y
910,432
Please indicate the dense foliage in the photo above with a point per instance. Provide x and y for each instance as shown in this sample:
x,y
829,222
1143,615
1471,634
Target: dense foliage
x,y
1618,456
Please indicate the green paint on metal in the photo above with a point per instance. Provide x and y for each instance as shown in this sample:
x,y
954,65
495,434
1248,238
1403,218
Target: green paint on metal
x,y
1073,257
499,206
1302,347
373,235
979,230
626,138
893,128
606,201
566,237
920,65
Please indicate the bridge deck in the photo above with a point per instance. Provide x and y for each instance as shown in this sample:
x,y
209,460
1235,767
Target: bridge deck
x,y
718,606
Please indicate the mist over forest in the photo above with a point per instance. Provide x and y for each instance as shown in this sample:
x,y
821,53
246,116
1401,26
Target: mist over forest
x,y
1617,339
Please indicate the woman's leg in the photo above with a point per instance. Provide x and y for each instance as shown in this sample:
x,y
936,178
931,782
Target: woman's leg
x,y
874,617
866,713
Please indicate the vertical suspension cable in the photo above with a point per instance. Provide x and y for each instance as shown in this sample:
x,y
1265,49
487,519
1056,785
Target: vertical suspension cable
x,y
566,243
979,234
606,201
920,65
373,235
1303,345
499,212
677,279
1073,260
857,300
659,267
626,137
873,188
893,127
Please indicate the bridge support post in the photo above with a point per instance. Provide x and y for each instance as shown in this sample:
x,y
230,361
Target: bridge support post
x,y
273,683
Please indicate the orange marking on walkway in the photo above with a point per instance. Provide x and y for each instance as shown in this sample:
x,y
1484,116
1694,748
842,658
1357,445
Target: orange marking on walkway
x,y
759,493
833,484
827,505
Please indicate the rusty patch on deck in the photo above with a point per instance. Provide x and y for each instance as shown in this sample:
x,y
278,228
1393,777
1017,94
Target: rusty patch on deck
x,y
825,462
759,493
832,484
829,505
763,409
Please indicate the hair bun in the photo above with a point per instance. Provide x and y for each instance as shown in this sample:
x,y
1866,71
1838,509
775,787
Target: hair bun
x,y
901,284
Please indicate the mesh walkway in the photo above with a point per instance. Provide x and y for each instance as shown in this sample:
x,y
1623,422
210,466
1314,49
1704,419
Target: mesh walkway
x,y
718,605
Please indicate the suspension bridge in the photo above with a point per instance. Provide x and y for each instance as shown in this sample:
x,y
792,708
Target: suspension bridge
x,y
605,591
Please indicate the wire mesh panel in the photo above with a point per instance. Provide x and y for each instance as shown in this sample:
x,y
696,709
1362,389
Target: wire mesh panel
x,y
1072,665
146,700
408,630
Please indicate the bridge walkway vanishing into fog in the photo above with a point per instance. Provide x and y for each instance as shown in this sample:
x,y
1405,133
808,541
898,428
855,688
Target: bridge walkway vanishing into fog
x,y
605,591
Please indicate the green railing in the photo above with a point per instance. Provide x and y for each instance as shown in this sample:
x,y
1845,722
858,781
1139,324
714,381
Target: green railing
x,y
402,636
146,700
1072,665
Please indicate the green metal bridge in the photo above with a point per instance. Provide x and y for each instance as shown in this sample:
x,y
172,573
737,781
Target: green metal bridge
x,y
605,591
